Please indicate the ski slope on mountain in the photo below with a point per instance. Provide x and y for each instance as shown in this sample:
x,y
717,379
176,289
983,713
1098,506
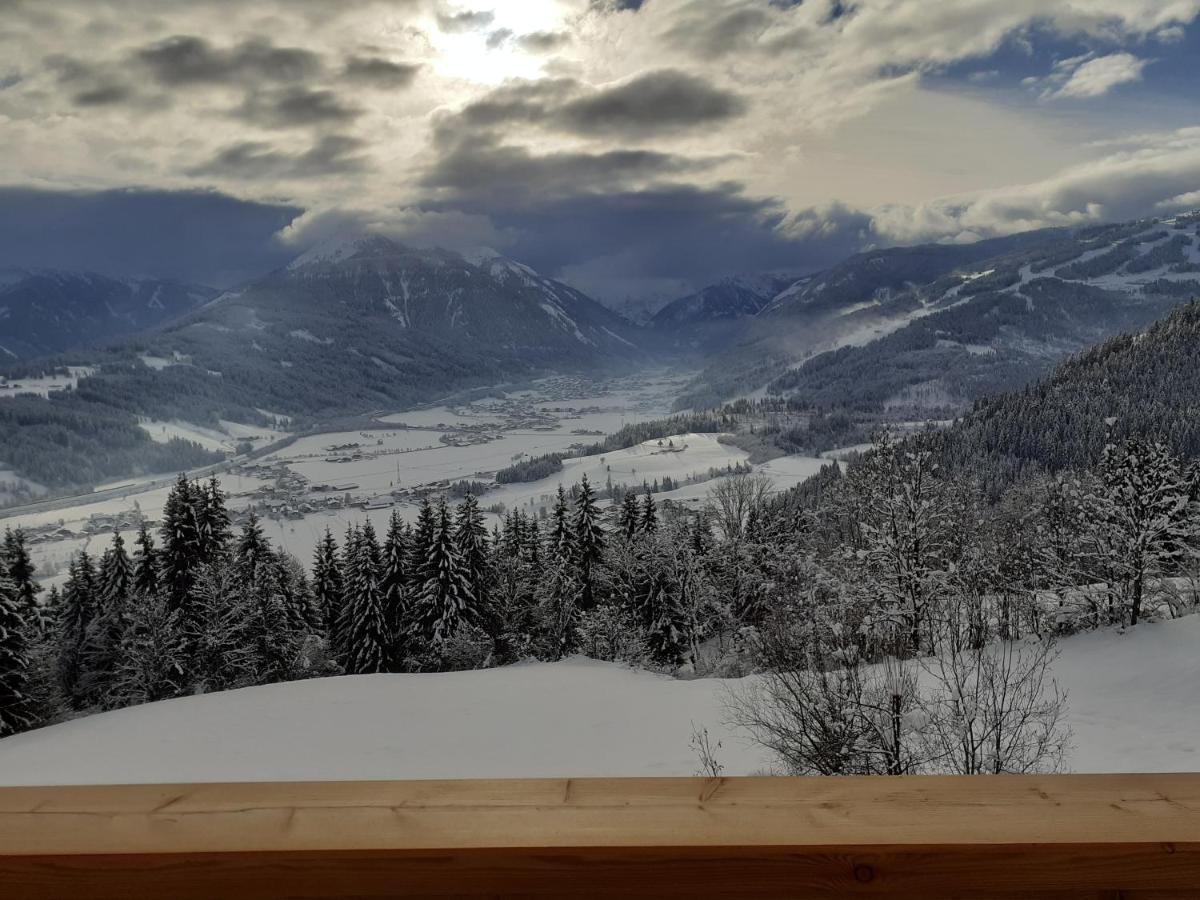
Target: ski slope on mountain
x,y
1131,708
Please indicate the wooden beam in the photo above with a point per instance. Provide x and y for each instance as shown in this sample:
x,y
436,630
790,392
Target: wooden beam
x,y
1094,836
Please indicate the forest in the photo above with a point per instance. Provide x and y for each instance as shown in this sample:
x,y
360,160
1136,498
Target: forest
x,y
896,619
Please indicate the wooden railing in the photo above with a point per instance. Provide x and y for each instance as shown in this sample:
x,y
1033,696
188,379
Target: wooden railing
x,y
1126,836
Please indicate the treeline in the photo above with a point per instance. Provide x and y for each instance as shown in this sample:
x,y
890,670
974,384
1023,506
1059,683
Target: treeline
x,y
532,469
887,602
539,467
68,441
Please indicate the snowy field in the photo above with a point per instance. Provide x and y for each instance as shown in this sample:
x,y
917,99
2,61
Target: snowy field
x,y
45,385
552,414
1131,704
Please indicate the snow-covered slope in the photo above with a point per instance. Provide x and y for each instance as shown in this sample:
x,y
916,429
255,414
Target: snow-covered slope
x,y
48,311
1132,700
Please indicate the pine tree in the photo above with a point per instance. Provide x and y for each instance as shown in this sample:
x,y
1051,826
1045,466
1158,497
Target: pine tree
x,y
328,584
365,628
106,631
395,589
587,541
560,537
15,557
212,520
153,656
421,545
145,565
16,706
253,552
181,542
649,523
630,517
76,612
471,540
445,602
557,597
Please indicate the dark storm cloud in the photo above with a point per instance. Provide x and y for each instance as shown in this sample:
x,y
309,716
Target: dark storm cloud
x,y
487,173
661,101
332,154
670,232
190,60
204,237
294,107
543,41
88,84
457,23
103,95
379,72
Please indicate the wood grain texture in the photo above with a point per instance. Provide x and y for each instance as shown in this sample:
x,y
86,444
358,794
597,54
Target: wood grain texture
x,y
1092,836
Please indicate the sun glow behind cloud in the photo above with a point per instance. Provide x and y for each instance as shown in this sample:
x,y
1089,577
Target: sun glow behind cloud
x,y
491,53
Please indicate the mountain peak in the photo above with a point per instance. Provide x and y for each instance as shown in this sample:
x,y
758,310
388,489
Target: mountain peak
x,y
341,248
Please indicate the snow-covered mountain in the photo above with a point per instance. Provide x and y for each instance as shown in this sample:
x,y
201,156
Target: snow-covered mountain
x,y
489,300
361,321
729,298
47,311
915,329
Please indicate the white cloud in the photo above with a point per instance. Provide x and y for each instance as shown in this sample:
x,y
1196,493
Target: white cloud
x,y
1154,172
1098,76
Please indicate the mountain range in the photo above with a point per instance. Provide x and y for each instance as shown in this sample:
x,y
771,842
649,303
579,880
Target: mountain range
x,y
364,323
46,311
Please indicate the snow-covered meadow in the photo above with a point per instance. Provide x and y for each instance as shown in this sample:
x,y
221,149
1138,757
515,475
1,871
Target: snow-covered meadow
x,y
1131,707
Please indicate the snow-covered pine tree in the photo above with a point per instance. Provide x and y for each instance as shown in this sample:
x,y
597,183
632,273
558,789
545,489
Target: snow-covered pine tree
x,y
366,632
274,618
252,553
471,539
212,520
630,517
153,657
588,542
445,602
76,612
420,546
561,544
181,542
106,631
557,612
340,637
145,565
395,588
328,584
14,556
663,620
17,711
219,655
649,523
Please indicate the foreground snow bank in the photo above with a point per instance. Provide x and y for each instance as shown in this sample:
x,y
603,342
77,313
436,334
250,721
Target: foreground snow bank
x,y
1134,706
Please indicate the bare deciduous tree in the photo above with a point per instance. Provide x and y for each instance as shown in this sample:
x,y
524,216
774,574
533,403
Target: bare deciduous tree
x,y
735,498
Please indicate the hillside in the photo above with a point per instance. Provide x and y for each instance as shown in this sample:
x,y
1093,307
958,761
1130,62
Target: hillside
x,y
1130,698
1145,384
927,330
349,326
45,311
737,297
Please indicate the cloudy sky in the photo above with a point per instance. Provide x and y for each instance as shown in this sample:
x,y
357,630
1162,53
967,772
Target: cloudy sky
x,y
631,148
